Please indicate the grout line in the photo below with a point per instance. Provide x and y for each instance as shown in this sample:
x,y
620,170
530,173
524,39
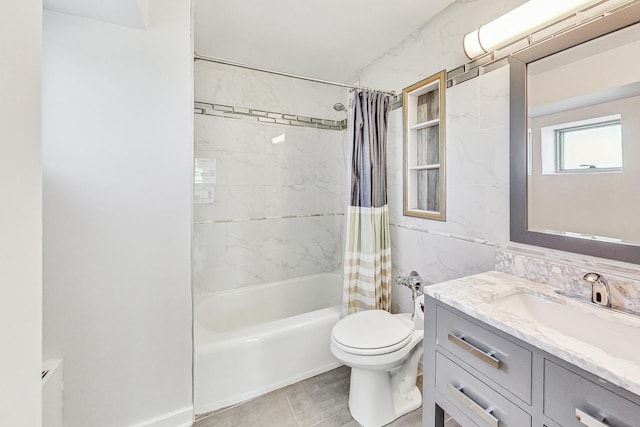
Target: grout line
x,y
320,422
291,408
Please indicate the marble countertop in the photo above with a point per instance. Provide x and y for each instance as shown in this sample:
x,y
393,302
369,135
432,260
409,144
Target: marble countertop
x,y
473,295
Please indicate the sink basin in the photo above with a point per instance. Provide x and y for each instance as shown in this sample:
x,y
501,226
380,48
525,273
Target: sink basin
x,y
611,332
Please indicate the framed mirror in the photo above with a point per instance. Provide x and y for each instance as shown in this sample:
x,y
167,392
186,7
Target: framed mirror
x,y
575,140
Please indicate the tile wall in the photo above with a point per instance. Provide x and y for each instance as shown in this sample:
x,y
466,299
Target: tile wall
x,y
477,174
273,205
477,188
477,152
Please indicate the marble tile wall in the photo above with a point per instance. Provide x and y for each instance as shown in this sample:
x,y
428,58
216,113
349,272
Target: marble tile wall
x,y
566,271
477,151
245,253
277,209
477,187
238,87
477,176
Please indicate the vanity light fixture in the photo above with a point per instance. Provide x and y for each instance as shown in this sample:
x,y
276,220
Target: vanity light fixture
x,y
523,20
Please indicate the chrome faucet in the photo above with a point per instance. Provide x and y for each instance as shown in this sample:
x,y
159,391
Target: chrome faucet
x,y
600,292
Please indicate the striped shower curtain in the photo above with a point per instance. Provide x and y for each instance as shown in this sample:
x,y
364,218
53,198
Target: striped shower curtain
x,y
367,257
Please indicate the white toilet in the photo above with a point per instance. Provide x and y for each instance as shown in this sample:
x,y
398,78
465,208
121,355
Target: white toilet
x,y
383,351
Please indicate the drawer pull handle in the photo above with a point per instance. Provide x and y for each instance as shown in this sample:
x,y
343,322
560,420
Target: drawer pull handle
x,y
484,356
590,421
483,413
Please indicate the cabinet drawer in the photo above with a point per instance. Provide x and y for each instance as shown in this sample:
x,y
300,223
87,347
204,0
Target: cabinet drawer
x,y
484,406
568,396
505,362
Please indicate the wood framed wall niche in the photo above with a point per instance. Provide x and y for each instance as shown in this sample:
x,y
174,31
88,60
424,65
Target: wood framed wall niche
x,y
424,148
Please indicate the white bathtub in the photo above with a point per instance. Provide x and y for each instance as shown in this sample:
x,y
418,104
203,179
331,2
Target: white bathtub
x,y
252,340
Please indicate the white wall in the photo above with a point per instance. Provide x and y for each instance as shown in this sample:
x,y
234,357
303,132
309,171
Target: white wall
x,y
477,151
21,213
117,159
237,239
579,71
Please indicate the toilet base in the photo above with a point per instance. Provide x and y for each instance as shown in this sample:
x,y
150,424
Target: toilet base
x,y
383,387
375,398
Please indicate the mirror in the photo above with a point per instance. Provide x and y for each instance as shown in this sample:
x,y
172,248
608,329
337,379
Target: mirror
x,y
575,142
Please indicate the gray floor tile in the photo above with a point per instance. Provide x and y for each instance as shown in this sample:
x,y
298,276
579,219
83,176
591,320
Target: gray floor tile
x,y
321,401
265,411
412,419
321,398
342,419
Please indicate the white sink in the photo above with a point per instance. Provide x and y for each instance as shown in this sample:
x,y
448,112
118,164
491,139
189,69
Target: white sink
x,y
614,333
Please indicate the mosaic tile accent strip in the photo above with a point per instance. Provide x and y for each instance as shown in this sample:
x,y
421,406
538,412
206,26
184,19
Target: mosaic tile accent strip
x,y
625,291
396,102
231,112
264,218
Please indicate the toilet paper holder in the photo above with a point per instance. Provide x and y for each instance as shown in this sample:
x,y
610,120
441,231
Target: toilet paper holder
x,y
414,282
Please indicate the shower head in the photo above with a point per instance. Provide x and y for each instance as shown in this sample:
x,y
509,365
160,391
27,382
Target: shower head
x,y
338,106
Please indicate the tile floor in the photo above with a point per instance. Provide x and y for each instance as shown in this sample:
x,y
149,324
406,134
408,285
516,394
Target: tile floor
x,y
321,401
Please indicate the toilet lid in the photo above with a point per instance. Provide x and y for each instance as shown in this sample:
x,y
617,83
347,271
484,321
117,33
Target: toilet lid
x,y
371,332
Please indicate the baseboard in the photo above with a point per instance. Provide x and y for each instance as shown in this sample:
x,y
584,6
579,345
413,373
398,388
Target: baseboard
x,y
179,418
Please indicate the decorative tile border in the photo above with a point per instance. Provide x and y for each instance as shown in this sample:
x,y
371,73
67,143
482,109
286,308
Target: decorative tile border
x,y
396,102
264,218
230,112
452,236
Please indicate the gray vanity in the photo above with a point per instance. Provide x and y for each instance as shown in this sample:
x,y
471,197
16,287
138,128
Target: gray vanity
x,y
499,352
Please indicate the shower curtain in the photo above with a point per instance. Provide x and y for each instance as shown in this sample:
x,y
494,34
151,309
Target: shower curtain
x,y
367,257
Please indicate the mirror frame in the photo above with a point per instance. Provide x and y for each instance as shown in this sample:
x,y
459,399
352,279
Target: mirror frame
x,y
518,139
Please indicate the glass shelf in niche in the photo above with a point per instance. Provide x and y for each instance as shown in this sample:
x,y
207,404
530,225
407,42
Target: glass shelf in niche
x,y
427,124
425,167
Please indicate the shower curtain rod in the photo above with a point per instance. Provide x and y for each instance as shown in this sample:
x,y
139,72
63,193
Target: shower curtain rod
x,y
197,56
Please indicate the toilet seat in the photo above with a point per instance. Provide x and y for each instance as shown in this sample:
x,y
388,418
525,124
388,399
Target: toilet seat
x,y
371,332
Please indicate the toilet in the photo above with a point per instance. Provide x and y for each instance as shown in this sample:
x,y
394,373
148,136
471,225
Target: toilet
x,y
383,351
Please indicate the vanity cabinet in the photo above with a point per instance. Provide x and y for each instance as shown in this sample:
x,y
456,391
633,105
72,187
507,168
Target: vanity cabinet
x,y
484,377
572,400
476,399
502,361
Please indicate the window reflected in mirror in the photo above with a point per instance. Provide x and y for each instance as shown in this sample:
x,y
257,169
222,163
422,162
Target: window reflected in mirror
x,y
587,146
584,140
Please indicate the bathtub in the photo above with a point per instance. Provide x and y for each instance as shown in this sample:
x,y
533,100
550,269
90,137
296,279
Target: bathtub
x,y
252,340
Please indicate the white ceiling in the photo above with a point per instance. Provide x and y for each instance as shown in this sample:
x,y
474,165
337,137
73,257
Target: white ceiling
x,y
331,40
